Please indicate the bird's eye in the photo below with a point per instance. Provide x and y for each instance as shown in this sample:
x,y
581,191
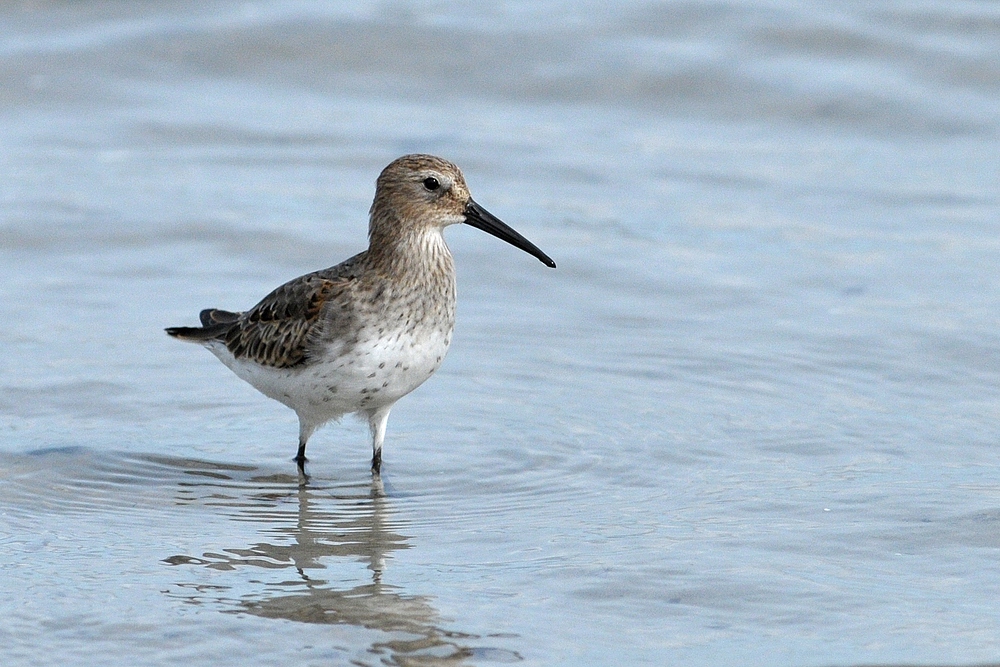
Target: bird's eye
x,y
431,183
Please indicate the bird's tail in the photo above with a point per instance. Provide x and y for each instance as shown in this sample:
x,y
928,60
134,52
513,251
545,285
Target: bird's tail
x,y
215,324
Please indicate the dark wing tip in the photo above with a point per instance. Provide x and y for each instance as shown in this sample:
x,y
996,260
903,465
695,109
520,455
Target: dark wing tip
x,y
180,332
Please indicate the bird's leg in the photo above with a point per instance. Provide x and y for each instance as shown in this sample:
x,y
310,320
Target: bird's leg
x,y
305,430
377,419
300,461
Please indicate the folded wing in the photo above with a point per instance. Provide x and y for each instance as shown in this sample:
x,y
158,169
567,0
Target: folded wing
x,y
276,332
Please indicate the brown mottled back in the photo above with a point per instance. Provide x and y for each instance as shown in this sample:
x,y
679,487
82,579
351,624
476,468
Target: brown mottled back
x,y
277,331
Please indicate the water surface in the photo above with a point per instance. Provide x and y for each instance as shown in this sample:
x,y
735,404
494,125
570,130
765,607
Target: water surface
x,y
752,416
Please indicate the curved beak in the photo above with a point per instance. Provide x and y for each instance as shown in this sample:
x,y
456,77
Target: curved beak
x,y
480,218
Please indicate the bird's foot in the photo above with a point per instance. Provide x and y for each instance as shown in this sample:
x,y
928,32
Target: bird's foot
x,y
300,461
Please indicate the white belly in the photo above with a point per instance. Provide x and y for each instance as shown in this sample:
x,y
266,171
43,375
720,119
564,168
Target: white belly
x,y
372,374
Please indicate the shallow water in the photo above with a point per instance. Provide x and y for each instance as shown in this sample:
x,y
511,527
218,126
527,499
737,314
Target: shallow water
x,y
751,418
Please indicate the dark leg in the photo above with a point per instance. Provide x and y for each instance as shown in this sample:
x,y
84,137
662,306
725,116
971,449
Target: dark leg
x,y
376,421
305,430
300,461
300,458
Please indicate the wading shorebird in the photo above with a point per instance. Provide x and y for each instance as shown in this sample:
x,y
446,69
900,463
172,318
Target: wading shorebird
x,y
357,337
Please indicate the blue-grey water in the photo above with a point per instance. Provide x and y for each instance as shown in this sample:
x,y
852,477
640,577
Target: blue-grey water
x,y
752,418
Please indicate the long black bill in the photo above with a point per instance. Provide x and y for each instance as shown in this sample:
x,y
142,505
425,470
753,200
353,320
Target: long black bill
x,y
480,218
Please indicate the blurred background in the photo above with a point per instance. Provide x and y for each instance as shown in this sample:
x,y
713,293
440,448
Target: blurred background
x,y
752,416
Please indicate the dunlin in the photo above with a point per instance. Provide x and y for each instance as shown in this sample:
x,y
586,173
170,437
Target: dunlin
x,y
357,337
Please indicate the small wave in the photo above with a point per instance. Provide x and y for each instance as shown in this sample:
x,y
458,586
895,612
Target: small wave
x,y
80,479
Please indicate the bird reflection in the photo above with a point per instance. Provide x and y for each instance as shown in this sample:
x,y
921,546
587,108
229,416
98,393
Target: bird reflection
x,y
312,530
